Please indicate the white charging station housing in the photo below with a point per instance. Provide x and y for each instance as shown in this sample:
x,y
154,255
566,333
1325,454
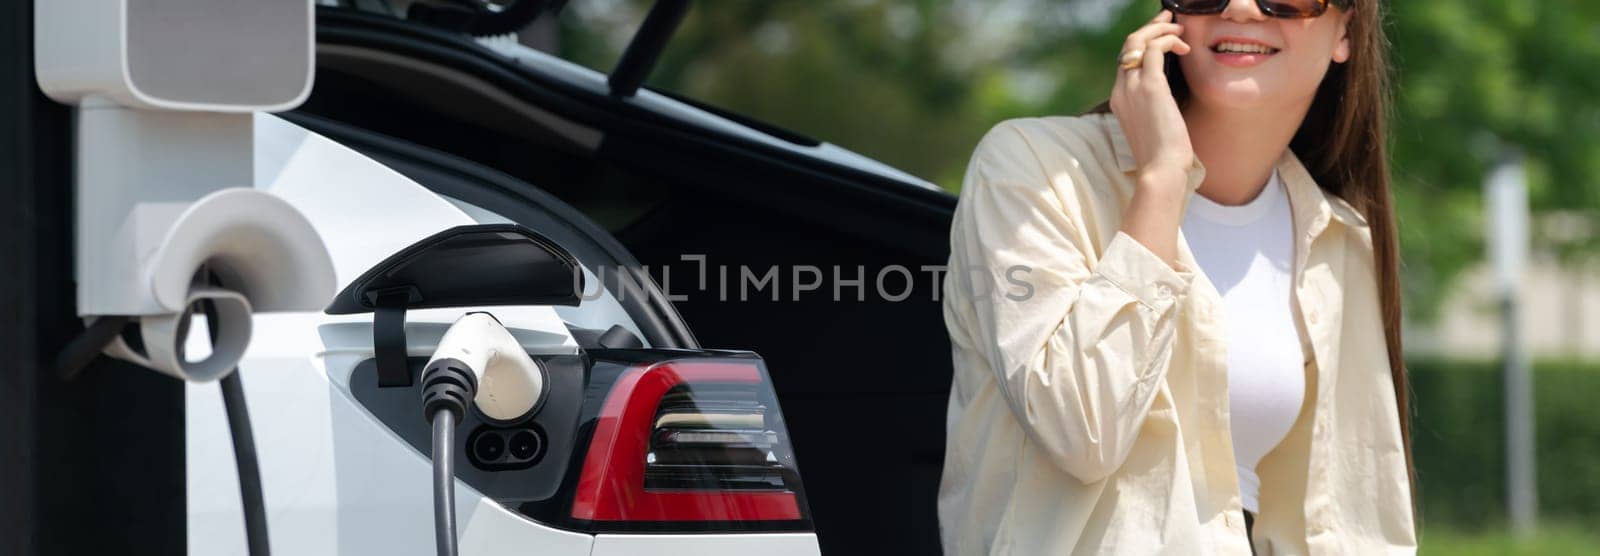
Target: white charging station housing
x,y
161,193
209,55
165,93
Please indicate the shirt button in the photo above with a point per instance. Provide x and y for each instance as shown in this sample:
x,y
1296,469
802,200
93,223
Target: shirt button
x,y
1164,291
1311,315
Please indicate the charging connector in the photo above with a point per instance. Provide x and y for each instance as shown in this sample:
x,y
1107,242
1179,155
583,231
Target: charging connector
x,y
478,363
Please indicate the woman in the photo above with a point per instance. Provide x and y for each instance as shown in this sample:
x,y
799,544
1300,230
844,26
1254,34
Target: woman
x,y
1175,319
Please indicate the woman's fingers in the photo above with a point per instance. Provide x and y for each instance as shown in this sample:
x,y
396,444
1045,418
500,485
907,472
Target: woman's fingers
x,y
1155,55
1159,24
1137,39
1155,39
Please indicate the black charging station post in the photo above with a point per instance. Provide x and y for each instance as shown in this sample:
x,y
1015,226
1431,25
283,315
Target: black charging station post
x,y
108,447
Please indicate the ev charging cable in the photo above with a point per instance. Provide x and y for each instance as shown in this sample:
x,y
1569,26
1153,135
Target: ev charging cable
x,y
104,330
478,362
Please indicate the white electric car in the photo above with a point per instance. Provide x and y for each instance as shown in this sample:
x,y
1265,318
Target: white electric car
x,y
757,363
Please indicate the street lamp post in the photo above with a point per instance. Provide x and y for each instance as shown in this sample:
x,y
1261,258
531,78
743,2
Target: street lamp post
x,y
1506,196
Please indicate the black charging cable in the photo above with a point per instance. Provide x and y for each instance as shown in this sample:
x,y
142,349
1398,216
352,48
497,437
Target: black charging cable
x,y
447,388
81,350
244,449
89,344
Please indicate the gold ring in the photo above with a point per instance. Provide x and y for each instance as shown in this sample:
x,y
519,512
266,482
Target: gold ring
x,y
1132,59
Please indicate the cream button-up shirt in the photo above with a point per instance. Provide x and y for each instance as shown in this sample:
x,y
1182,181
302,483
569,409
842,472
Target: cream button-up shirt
x,y
1089,410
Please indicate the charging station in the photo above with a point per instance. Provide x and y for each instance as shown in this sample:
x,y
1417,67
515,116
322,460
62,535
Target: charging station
x,y
168,222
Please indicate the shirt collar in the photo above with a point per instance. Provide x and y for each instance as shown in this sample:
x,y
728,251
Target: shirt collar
x,y
1313,206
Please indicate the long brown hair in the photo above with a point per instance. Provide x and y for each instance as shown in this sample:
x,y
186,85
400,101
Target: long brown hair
x,y
1342,142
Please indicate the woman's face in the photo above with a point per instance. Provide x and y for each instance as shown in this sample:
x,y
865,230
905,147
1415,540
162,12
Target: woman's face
x,y
1288,75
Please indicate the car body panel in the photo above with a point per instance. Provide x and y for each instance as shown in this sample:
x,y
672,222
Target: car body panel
x,y
775,544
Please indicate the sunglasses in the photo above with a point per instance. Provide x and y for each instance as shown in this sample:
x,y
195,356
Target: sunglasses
x,y
1289,9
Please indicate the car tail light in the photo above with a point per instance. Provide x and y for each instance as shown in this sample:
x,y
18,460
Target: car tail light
x,y
690,440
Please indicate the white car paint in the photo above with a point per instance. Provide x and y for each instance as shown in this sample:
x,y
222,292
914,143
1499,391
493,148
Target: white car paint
x,y
777,544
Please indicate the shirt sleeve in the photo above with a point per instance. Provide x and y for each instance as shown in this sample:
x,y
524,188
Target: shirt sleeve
x,y
1078,342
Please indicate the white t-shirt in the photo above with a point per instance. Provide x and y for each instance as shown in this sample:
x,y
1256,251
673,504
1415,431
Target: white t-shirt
x,y
1247,252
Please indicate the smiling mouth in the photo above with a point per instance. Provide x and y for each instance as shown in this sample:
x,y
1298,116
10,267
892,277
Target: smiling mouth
x,y
1243,48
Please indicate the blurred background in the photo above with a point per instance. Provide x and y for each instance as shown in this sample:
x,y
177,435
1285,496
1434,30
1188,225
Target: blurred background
x,y
1480,85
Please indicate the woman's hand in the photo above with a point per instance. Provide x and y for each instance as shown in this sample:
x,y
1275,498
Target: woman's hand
x,y
1150,120
1143,103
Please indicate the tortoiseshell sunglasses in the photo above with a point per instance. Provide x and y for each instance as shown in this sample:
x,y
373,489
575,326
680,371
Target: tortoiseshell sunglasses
x,y
1289,9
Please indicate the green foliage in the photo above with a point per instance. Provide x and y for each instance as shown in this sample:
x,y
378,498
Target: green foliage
x,y
916,82
1470,76
1458,442
865,75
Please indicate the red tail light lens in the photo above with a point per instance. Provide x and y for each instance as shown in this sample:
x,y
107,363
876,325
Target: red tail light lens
x,y
690,441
